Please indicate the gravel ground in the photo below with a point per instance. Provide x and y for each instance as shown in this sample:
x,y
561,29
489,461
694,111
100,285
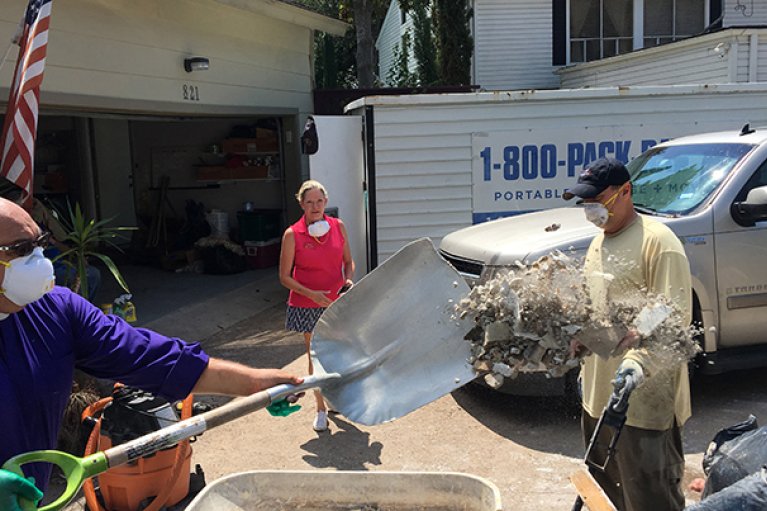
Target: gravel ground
x,y
527,447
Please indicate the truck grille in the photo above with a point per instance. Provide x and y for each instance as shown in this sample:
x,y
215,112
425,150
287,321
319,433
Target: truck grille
x,y
464,266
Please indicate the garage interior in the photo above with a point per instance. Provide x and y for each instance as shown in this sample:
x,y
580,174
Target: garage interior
x,y
165,177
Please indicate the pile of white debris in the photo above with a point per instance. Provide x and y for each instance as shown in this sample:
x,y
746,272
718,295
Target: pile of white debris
x,y
526,317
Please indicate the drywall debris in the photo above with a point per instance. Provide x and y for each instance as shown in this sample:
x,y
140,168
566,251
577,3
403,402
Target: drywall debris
x,y
526,317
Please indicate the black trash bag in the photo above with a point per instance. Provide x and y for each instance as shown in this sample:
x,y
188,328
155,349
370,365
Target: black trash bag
x,y
195,226
219,260
736,452
725,435
748,494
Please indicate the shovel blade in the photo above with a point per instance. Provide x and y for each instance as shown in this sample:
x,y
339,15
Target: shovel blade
x,y
394,338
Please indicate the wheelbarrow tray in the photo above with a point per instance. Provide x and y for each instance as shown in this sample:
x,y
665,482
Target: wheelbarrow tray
x,y
316,490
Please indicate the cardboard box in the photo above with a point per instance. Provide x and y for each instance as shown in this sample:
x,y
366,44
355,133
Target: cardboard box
x,y
265,141
239,145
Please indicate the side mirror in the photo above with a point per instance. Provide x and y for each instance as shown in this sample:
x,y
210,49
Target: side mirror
x,y
753,209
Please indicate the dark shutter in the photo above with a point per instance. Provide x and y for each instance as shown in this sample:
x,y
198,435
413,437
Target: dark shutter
x,y
559,32
715,12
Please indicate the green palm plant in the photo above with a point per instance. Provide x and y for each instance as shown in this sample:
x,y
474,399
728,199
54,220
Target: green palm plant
x,y
84,239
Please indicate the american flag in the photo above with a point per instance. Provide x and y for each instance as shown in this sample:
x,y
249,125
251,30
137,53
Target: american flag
x,y
20,126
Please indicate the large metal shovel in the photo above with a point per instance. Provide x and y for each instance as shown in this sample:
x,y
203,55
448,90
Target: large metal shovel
x,y
387,347
394,338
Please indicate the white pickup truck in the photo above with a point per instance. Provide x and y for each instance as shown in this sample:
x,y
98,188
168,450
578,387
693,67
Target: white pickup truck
x,y
711,190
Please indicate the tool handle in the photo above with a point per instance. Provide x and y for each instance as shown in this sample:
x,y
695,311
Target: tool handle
x,y
193,426
75,470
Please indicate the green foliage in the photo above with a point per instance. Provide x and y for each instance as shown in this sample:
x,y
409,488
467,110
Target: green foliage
x,y
334,63
399,74
347,61
424,44
454,42
441,43
84,239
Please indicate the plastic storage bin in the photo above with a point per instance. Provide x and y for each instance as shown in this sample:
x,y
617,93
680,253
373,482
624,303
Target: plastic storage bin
x,y
262,254
260,224
346,490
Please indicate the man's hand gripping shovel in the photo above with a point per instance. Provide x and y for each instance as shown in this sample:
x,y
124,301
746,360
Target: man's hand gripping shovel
x,y
388,346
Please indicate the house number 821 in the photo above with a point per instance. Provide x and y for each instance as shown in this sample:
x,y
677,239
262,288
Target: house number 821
x,y
191,92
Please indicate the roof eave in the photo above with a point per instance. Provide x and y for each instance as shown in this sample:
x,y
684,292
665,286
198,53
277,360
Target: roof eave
x,y
292,14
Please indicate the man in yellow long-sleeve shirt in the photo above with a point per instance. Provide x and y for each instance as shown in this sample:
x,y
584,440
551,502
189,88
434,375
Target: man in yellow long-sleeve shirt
x,y
635,255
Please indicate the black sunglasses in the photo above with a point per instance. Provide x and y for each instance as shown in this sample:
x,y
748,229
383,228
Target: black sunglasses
x,y
24,248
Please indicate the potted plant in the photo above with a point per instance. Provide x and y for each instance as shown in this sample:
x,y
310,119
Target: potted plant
x,y
84,239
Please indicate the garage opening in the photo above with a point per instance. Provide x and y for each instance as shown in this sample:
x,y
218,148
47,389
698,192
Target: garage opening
x,y
205,196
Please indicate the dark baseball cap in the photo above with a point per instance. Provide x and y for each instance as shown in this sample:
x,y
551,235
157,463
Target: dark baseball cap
x,y
597,177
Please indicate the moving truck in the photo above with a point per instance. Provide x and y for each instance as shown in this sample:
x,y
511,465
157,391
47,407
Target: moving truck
x,y
400,168
405,167
711,190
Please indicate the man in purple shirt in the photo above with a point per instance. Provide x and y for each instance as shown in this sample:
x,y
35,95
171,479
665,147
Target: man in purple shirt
x,y
47,331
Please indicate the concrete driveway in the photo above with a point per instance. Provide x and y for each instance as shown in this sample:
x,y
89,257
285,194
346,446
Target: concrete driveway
x,y
527,447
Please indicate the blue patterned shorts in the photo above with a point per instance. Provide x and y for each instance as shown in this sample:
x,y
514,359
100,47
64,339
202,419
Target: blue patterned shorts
x,y
302,319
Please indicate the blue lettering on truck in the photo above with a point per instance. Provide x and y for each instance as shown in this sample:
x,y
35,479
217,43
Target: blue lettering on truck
x,y
530,162
521,171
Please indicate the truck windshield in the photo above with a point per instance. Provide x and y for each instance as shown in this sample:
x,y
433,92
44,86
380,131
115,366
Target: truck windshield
x,y
675,180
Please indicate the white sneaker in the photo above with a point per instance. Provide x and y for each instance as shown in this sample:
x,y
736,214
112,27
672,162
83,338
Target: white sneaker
x,y
321,421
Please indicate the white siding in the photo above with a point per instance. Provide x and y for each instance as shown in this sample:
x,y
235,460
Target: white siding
x,y
513,45
745,59
704,59
128,55
761,60
390,37
423,144
738,13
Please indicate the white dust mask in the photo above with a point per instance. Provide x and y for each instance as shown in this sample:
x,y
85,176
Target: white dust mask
x,y
27,278
596,213
319,228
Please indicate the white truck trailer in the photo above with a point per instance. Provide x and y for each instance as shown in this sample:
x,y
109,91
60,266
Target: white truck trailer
x,y
403,167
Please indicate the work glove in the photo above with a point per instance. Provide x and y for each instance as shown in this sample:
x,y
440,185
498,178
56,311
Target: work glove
x,y
282,408
13,487
628,368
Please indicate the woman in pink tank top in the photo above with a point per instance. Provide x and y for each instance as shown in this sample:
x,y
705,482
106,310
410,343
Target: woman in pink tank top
x,y
315,264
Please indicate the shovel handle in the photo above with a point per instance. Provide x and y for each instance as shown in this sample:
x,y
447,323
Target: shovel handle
x,y
76,471
193,426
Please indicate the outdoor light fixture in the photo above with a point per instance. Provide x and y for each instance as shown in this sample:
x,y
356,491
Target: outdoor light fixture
x,y
196,64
